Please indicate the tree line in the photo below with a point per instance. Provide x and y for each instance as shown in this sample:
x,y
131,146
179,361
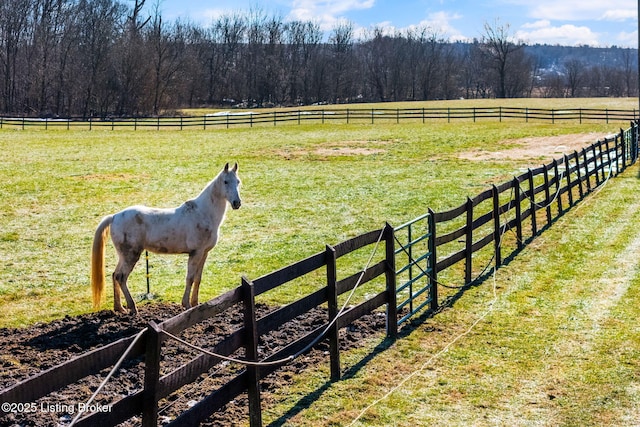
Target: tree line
x,y
110,57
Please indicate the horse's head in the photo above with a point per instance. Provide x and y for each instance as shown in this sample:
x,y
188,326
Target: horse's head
x,y
230,185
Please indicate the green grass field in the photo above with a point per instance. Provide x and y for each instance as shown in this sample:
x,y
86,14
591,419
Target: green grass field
x,y
551,340
303,186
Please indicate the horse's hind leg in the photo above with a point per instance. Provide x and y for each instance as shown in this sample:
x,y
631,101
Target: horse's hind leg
x,y
120,276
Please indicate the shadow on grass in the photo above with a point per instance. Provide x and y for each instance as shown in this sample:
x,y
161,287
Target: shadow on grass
x,y
407,329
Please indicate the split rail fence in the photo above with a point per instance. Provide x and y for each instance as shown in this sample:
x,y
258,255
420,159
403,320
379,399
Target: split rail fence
x,y
226,119
405,279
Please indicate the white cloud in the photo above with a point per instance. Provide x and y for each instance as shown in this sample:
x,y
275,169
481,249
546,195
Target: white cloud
x,y
441,23
620,15
628,39
326,12
576,10
543,23
438,23
569,35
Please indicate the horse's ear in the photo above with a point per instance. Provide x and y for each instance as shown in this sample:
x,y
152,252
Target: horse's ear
x,y
235,167
226,167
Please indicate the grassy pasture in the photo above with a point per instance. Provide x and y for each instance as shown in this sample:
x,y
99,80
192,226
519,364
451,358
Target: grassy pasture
x,y
304,186
551,340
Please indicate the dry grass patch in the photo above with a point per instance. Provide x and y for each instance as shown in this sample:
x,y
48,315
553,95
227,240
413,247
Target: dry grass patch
x,y
536,147
338,149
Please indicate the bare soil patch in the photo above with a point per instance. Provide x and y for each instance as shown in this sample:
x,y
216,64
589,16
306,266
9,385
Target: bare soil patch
x,y
341,148
537,148
27,351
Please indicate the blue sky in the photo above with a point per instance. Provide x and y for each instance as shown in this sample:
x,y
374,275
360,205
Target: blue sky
x,y
564,22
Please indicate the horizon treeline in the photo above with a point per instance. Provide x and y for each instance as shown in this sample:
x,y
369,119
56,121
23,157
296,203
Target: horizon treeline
x,y
111,57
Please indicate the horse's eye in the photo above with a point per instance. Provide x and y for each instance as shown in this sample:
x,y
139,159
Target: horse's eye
x,y
226,182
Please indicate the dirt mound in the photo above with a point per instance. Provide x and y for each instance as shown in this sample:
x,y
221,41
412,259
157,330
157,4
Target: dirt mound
x,y
26,352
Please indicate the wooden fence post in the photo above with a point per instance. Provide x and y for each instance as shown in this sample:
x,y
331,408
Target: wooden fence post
x,y
601,166
251,353
332,302
532,204
634,139
623,149
390,274
547,194
596,165
497,235
558,185
567,171
151,376
586,169
518,199
580,191
433,261
608,151
469,243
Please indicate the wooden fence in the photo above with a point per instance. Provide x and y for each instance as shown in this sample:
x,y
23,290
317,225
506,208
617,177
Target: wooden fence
x,y
429,247
246,338
505,216
339,115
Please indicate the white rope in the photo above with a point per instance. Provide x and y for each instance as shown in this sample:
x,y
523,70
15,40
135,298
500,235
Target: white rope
x,y
553,199
489,310
305,349
435,356
108,377
449,345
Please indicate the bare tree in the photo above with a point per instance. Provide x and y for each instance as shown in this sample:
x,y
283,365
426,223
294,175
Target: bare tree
x,y
167,54
505,58
14,19
573,69
341,41
130,65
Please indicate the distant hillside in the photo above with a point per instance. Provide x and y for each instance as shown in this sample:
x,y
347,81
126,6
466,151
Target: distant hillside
x,y
550,57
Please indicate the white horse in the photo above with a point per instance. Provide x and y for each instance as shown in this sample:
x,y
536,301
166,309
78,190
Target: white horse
x,y
191,228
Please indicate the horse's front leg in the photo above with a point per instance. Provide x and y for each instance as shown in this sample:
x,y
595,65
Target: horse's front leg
x,y
194,275
196,281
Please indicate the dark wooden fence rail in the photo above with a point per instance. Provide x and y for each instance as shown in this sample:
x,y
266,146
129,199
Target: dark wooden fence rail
x,y
506,215
521,207
348,115
243,340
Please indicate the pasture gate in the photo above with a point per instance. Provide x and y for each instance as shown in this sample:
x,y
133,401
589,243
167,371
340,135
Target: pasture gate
x,y
406,278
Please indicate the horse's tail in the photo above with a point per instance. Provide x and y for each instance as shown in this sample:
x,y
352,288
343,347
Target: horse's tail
x,y
97,260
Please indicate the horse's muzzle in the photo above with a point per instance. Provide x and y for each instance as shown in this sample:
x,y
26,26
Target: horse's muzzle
x,y
236,204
